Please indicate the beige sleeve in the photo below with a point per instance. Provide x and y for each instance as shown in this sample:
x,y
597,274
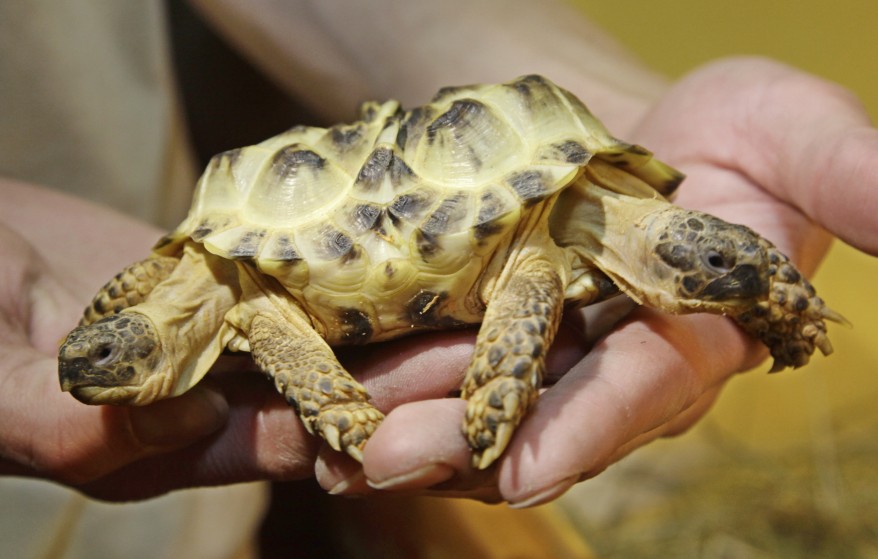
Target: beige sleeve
x,y
89,105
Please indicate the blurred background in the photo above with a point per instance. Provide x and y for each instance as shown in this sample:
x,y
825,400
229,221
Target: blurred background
x,y
786,465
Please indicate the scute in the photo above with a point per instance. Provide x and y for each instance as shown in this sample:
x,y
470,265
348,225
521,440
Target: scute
x,y
437,185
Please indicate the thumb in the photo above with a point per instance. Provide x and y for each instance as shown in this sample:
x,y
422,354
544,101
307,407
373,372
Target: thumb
x,y
806,141
46,433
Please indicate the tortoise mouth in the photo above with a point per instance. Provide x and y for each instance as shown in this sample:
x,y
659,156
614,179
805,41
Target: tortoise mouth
x,y
98,395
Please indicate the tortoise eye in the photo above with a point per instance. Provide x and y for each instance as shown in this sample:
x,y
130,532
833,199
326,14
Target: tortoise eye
x,y
103,353
718,262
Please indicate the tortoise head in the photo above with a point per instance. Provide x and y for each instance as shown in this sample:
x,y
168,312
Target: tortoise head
x,y
701,263
704,264
116,360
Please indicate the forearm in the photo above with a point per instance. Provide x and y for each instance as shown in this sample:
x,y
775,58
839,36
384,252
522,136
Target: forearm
x,y
337,53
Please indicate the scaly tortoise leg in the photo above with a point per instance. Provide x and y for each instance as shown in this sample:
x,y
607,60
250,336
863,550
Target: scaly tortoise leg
x,y
129,287
503,379
305,370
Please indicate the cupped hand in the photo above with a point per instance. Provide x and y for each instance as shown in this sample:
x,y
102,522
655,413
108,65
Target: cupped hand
x,y
765,145
56,252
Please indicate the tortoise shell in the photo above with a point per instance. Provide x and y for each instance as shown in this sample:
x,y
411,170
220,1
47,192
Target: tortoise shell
x,y
387,222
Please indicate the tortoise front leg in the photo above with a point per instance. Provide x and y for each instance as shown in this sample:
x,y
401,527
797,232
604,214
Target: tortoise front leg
x,y
504,377
306,371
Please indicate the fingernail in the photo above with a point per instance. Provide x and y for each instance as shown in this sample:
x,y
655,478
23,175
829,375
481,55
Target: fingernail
x,y
545,495
421,478
181,420
353,485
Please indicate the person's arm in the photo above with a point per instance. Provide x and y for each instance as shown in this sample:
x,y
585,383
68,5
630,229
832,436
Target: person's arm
x,y
335,54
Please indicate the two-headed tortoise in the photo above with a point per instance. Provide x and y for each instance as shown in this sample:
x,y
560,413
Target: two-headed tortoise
x,y
493,204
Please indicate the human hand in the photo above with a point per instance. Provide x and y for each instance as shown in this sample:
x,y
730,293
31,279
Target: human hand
x,y
764,145
56,250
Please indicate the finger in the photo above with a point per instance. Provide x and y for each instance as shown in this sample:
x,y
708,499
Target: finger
x,y
807,141
52,435
262,439
421,446
633,382
676,426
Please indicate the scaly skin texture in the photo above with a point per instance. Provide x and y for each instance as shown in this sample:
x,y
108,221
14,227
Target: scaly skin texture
x,y
102,360
791,320
508,364
306,371
129,287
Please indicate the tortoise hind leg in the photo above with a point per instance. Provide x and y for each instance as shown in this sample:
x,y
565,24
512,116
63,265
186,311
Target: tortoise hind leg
x,y
503,379
129,287
305,370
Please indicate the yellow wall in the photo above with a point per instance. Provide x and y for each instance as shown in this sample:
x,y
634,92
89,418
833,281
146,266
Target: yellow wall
x,y
837,39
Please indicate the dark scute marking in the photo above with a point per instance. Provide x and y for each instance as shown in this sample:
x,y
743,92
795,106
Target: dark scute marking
x,y
490,212
458,116
289,160
428,245
366,216
368,111
412,124
573,152
163,242
248,245
354,254
372,172
425,310
530,185
335,243
203,229
356,326
487,229
399,171
287,252
402,135
525,84
346,137
230,157
422,308
670,185
449,212
409,206
639,150
676,256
